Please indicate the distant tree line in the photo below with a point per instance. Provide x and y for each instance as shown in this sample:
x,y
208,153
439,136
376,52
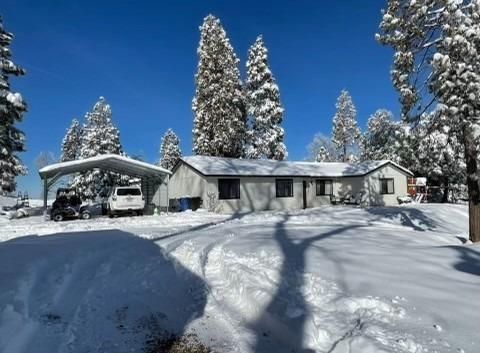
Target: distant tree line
x,y
425,150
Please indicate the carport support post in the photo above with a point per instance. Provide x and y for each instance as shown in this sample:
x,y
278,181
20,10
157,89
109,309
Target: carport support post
x,y
168,183
45,196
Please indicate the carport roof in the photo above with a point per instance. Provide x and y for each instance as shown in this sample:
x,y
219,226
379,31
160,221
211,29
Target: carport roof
x,y
110,162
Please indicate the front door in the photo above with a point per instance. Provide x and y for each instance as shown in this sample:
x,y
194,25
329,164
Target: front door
x,y
304,194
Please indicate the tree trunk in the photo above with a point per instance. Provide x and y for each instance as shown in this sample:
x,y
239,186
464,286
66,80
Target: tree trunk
x,y
472,184
445,190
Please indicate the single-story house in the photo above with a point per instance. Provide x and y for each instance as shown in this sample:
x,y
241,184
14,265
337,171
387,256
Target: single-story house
x,y
243,185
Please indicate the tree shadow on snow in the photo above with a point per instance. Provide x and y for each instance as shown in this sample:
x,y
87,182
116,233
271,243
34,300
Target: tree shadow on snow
x,y
98,291
469,259
409,217
233,216
281,326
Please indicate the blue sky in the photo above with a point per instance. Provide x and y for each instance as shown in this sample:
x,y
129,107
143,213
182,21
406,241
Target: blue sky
x,y
141,56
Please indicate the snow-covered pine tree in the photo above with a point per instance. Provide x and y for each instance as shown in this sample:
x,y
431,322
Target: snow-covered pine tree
x,y
439,154
12,108
322,149
99,136
380,139
265,134
406,147
170,151
72,142
436,47
345,132
219,125
323,155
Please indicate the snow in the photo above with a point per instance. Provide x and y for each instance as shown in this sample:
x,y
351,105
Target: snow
x,y
345,132
265,135
99,160
15,99
331,279
230,166
219,124
170,151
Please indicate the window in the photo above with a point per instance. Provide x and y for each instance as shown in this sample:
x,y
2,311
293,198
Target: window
x,y
129,192
324,187
284,187
387,186
228,189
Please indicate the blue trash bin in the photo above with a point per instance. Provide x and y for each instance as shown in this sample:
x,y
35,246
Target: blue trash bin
x,y
184,204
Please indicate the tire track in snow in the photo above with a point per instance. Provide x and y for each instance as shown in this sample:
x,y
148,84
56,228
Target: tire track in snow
x,y
196,259
15,319
240,286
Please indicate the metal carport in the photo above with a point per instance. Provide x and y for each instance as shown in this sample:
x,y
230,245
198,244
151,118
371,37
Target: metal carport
x,y
148,173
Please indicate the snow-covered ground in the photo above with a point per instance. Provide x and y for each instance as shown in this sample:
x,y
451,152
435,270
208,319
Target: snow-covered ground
x,y
332,279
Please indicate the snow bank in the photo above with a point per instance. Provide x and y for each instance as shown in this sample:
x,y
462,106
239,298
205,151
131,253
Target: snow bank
x,y
332,279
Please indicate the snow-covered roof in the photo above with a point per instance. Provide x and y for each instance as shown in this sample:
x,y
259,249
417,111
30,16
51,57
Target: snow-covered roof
x,y
216,166
111,162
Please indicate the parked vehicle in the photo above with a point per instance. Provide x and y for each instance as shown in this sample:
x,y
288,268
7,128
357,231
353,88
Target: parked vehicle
x,y
68,205
125,199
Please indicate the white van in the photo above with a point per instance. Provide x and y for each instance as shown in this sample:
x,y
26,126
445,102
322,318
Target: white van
x,y
125,199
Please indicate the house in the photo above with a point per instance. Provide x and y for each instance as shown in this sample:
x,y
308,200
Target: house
x,y
243,185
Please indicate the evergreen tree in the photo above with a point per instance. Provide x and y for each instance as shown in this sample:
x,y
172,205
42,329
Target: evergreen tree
x,y
323,155
345,130
265,137
72,142
406,147
322,149
170,151
12,108
99,136
436,47
380,141
219,105
440,156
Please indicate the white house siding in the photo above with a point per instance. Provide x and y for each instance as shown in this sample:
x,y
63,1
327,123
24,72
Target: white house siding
x,y
259,193
186,182
373,186
369,184
160,195
155,193
312,199
256,194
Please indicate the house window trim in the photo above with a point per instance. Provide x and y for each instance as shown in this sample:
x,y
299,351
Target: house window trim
x,y
317,184
393,186
276,188
236,197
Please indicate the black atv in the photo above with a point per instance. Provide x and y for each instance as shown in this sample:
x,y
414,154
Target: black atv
x,y
68,205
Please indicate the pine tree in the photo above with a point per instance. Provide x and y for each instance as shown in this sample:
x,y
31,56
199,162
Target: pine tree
x,y
170,151
322,149
265,136
219,105
406,147
72,142
12,108
380,140
436,47
323,155
99,136
345,130
440,156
